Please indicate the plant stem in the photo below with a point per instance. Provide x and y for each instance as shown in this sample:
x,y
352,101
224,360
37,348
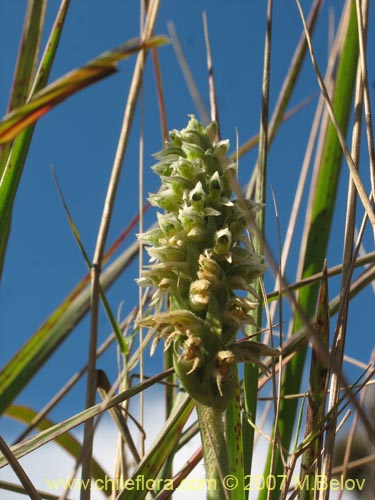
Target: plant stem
x,y
214,450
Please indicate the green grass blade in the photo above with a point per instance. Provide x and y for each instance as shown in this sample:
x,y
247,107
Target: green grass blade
x,y
25,66
66,441
13,155
28,53
251,371
322,206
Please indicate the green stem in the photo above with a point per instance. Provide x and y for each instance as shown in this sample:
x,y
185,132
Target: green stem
x,y
215,451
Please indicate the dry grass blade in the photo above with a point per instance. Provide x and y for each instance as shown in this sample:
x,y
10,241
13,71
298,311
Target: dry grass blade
x,y
21,474
191,463
311,460
285,94
102,236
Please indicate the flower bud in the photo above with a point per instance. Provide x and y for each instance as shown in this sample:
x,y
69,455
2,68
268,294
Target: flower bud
x,y
199,294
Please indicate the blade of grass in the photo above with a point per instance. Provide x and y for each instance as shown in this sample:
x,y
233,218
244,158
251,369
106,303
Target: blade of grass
x,y
134,91
339,339
20,472
214,111
353,428
311,460
14,154
190,464
288,84
362,16
104,389
194,92
336,114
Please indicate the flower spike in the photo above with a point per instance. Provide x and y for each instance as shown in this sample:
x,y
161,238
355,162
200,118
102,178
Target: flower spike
x,y
199,259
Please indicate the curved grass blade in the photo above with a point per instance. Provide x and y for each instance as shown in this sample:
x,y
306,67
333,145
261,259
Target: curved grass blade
x,y
21,449
66,441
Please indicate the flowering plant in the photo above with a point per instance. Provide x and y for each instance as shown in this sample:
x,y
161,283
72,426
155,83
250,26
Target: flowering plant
x,y
200,259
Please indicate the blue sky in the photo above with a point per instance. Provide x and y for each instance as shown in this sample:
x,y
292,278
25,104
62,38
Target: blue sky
x,y
79,139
